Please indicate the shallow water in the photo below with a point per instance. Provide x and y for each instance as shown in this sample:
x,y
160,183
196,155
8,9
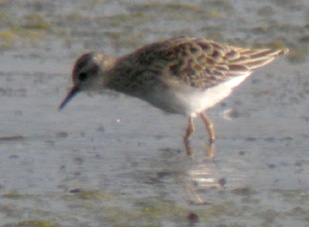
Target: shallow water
x,y
111,160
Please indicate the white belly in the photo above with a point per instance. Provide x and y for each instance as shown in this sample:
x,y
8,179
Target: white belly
x,y
201,101
190,101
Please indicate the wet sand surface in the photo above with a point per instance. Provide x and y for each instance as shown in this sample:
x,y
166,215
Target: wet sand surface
x,y
112,160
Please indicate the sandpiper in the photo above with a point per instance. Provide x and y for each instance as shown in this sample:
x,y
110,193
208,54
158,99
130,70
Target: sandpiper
x,y
180,75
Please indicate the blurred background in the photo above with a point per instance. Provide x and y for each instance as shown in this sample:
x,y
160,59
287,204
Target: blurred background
x,y
111,160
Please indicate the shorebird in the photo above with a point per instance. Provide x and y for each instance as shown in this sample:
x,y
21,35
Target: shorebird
x,y
181,75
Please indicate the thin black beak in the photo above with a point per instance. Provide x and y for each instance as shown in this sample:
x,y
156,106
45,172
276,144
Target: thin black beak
x,y
74,91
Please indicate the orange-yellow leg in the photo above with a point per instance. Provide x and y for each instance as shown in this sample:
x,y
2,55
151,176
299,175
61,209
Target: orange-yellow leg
x,y
211,135
209,126
186,138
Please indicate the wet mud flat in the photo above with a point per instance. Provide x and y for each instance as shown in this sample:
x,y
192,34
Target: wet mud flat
x,y
116,161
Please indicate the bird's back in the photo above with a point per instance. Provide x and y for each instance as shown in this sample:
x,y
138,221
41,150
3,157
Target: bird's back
x,y
198,63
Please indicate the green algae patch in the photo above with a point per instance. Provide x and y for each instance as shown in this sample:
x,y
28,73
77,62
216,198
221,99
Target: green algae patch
x,y
216,210
167,7
14,194
32,223
35,21
228,208
216,14
27,29
144,213
11,36
90,195
118,216
159,208
7,38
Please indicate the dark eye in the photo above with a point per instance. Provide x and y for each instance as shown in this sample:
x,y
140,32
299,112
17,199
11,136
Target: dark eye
x,y
82,76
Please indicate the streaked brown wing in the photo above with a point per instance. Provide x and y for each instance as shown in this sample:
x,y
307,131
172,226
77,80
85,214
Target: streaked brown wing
x,y
201,63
